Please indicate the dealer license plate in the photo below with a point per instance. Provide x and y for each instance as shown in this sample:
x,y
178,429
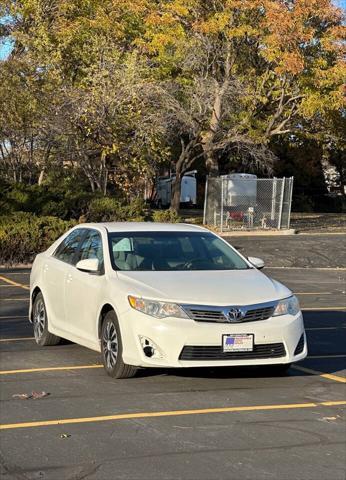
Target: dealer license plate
x,y
237,342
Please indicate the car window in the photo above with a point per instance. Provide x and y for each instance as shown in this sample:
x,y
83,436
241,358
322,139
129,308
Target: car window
x,y
67,249
172,251
91,247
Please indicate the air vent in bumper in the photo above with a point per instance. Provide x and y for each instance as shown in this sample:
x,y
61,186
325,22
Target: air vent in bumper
x,y
206,353
300,346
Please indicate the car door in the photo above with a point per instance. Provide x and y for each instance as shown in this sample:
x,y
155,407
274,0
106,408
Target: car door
x,y
84,290
55,269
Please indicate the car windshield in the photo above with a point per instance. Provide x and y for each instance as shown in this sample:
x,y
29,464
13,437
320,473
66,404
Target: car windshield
x,y
176,251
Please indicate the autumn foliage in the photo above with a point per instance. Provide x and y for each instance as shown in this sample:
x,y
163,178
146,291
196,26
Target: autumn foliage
x,y
118,88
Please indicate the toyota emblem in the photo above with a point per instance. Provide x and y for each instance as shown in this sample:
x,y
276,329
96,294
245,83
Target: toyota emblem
x,y
234,314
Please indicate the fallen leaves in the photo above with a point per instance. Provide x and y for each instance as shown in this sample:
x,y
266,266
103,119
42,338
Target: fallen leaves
x,y
30,396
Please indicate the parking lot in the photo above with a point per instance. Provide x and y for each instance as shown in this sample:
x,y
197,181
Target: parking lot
x,y
227,423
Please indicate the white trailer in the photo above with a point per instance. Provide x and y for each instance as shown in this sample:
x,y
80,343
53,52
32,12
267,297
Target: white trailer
x,y
188,192
239,189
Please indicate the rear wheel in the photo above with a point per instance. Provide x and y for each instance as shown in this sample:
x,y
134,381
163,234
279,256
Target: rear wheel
x,y
40,324
112,349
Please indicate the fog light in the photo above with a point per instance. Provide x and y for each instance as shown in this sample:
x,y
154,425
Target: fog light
x,y
150,349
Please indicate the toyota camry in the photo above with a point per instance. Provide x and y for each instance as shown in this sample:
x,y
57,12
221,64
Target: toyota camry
x,y
162,295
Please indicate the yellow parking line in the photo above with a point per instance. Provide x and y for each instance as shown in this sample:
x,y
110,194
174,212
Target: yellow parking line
x,y
313,293
16,299
326,356
173,413
15,284
84,367
312,309
19,339
3,285
329,376
48,369
324,328
306,269
17,273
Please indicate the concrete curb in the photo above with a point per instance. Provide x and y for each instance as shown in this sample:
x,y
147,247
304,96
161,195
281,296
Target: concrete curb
x,y
15,265
260,233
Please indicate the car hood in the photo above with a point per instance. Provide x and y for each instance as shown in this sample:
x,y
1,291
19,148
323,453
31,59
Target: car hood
x,y
230,287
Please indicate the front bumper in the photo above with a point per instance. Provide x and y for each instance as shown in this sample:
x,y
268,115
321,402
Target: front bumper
x,y
171,335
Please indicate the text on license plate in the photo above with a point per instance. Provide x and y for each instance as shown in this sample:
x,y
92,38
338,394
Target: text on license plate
x,y
237,342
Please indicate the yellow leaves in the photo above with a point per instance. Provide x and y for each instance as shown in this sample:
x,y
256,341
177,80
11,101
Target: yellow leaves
x,y
181,8
312,104
242,31
320,102
214,24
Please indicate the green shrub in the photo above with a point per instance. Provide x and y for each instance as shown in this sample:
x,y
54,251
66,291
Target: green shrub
x,y
23,235
108,209
19,198
60,200
166,216
302,203
54,209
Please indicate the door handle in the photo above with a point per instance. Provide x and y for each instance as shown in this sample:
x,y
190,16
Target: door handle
x,y
69,278
45,268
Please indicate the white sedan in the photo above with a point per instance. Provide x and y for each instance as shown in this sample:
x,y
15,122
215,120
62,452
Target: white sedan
x,y
162,295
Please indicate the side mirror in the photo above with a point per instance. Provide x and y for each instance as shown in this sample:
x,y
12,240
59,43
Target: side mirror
x,y
256,262
90,265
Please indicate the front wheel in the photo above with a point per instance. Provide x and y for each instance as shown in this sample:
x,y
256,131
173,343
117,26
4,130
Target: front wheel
x,y
40,323
112,349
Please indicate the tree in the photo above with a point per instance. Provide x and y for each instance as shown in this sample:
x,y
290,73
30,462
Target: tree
x,y
97,113
244,71
117,86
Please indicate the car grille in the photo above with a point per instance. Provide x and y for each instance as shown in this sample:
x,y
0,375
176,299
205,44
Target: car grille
x,y
219,314
205,353
300,346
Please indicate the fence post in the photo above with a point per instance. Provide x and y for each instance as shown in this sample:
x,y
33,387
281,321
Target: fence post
x,y
272,213
221,221
290,202
281,201
205,201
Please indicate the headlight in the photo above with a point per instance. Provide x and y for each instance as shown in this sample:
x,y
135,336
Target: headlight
x,y
156,309
288,306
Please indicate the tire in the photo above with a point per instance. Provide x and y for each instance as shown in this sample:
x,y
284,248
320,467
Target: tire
x,y
40,324
112,349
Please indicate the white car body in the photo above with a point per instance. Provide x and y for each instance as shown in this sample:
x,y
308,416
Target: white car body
x,y
75,301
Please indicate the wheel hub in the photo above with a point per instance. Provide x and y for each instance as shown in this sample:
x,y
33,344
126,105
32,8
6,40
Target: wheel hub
x,y
110,345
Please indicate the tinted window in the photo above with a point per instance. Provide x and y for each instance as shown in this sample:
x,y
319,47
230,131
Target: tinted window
x,y
91,247
172,251
67,249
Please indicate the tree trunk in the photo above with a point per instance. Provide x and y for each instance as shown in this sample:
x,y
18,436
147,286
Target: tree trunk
x,y
41,176
211,164
208,138
175,192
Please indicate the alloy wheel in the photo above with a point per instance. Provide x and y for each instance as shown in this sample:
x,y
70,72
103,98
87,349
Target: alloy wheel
x,y
110,345
39,319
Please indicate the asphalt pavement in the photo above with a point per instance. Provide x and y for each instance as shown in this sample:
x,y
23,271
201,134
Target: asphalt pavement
x,y
226,423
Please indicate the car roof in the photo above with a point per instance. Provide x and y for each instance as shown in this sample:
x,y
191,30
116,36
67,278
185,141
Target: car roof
x,y
144,227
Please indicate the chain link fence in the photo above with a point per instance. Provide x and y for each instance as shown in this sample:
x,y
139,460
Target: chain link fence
x,y
245,202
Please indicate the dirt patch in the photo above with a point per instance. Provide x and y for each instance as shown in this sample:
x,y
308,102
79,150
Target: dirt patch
x,y
319,222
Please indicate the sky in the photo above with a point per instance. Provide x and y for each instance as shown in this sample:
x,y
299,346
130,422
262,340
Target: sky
x,y
5,47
